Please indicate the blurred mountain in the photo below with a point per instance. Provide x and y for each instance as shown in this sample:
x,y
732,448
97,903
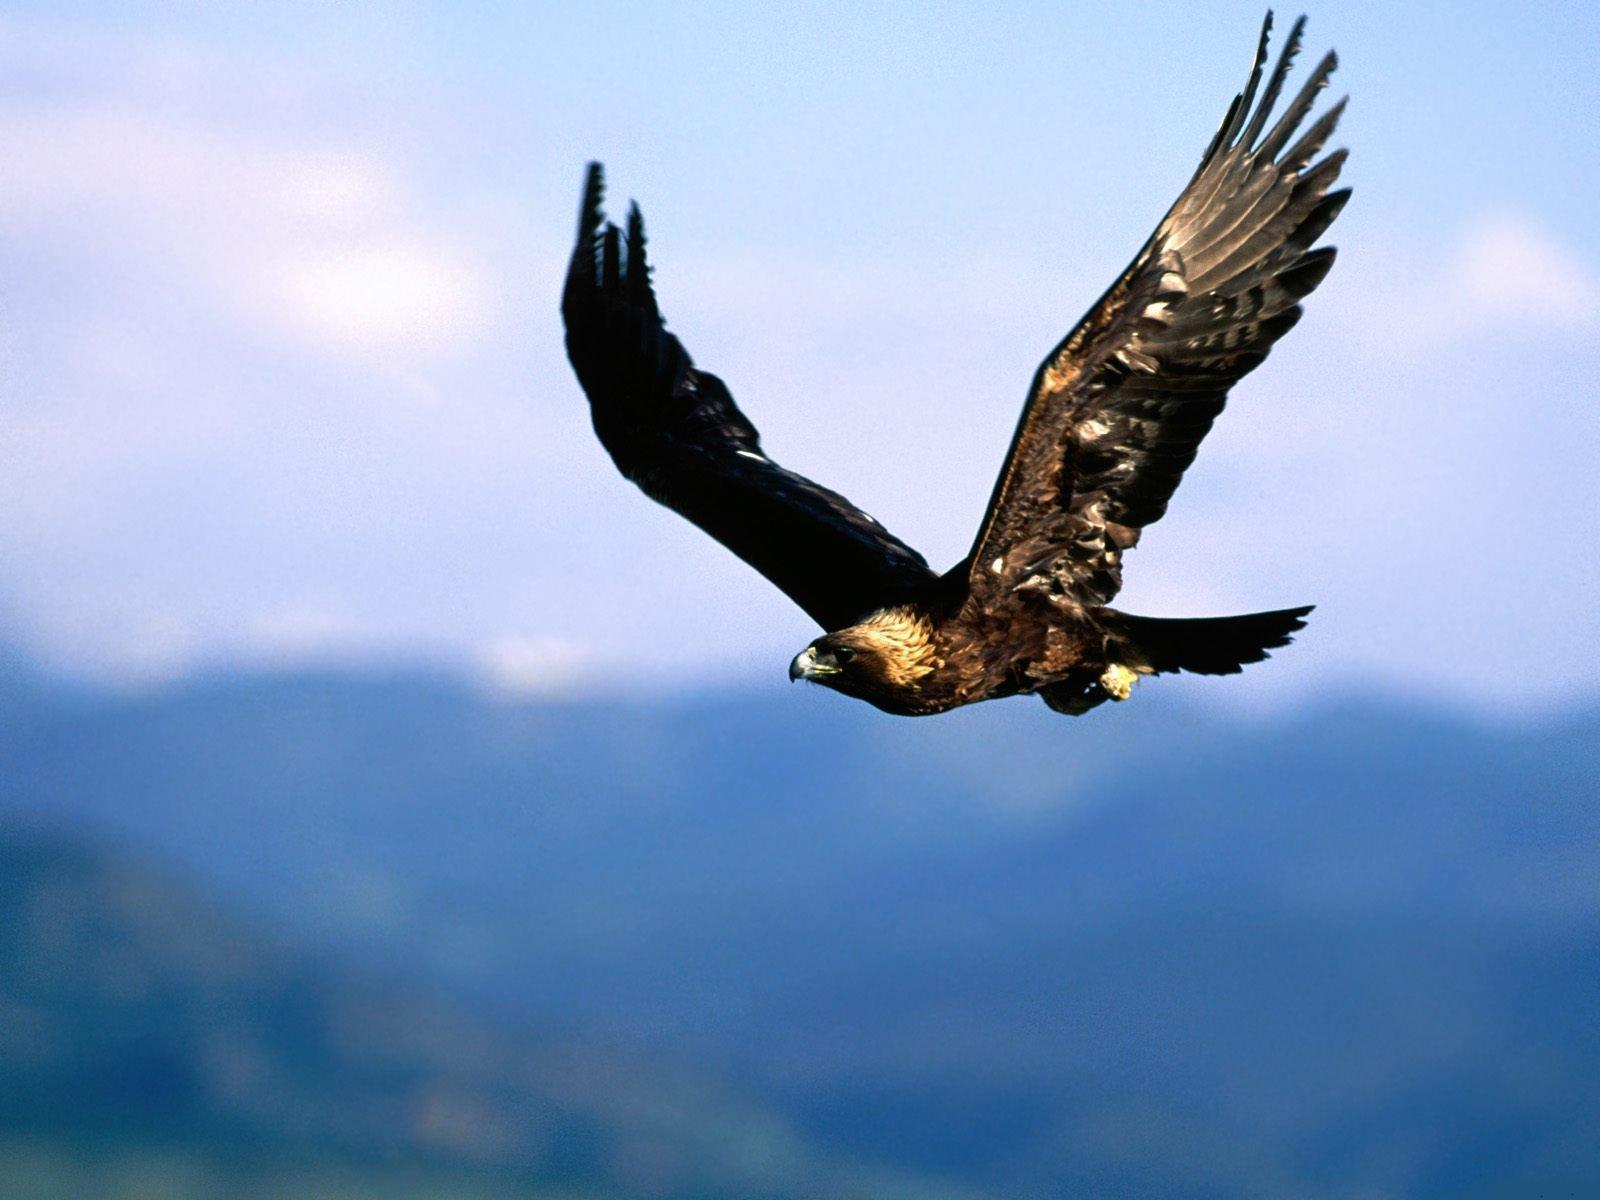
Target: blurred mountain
x,y
154,1043
1351,953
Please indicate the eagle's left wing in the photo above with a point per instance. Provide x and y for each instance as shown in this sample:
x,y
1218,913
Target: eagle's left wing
x,y
676,432
1118,409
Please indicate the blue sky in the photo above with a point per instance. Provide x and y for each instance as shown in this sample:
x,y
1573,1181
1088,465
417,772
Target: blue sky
x,y
281,376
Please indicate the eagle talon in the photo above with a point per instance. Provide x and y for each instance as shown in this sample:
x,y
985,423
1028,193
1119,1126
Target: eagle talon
x,y
1118,681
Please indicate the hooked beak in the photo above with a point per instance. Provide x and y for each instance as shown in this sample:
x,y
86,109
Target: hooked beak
x,y
804,665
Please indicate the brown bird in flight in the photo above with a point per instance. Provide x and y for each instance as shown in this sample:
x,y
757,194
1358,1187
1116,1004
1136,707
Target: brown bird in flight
x,y
1114,417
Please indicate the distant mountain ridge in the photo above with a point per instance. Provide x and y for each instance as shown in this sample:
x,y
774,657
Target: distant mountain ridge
x,y
140,1016
1156,952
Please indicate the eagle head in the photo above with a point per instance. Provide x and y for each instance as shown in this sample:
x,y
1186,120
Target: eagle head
x,y
879,660
824,661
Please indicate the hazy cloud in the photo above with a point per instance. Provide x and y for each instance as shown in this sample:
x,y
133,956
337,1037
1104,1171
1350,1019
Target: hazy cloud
x,y
523,665
1508,267
298,240
1501,274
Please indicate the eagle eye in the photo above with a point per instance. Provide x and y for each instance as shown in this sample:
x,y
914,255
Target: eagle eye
x,y
843,654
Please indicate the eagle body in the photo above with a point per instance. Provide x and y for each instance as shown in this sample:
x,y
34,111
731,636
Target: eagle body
x,y
915,660
1115,415
918,659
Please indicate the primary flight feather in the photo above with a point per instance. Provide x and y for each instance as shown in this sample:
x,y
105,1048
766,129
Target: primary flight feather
x,y
1114,417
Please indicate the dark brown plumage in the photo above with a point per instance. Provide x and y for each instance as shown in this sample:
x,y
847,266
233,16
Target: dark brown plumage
x,y
1114,417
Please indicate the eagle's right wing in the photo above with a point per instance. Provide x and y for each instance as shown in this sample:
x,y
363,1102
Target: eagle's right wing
x,y
676,432
1119,408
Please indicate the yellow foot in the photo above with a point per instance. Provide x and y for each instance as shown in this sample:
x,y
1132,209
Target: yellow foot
x,y
1118,681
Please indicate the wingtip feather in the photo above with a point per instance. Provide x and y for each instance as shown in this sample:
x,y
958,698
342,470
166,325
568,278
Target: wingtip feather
x,y
1247,97
611,258
1298,107
590,217
637,267
590,208
1280,73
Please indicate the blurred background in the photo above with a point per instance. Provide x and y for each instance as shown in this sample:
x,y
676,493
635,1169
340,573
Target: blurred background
x,y
394,803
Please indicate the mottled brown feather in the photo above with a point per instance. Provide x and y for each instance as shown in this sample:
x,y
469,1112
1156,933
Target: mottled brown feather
x,y
1118,409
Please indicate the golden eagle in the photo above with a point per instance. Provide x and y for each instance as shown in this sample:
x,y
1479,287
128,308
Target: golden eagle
x,y
1114,417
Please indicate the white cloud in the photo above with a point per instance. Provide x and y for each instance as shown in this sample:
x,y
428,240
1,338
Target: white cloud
x,y
1508,267
400,296
524,665
300,631
300,240
140,650
1500,271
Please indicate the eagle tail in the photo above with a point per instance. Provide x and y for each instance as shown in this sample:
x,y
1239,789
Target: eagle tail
x,y
1204,645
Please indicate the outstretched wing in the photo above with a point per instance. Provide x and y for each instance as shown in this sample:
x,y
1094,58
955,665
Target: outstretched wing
x,y
1119,408
676,432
